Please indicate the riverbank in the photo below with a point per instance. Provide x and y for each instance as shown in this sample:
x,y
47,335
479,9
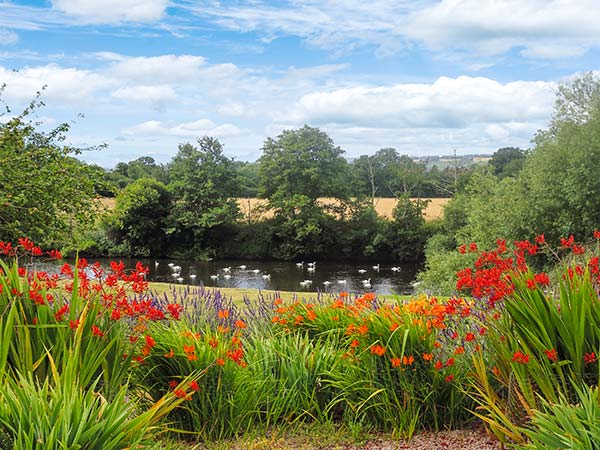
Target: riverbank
x,y
239,294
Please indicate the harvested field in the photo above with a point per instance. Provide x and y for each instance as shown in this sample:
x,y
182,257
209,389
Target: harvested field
x,y
383,206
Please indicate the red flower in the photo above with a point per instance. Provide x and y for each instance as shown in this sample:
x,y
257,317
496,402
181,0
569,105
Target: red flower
x,y
469,337
551,354
542,278
462,249
449,378
531,284
97,331
194,386
567,243
540,239
438,365
520,357
180,393
74,324
596,234
589,358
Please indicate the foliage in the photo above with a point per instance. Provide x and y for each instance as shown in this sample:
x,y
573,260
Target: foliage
x,y
544,342
405,236
566,424
65,360
204,184
44,190
140,217
508,161
302,162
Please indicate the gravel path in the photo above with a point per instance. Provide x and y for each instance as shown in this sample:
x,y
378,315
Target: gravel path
x,y
476,439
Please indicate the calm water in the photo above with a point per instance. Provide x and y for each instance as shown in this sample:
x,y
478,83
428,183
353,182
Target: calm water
x,y
283,276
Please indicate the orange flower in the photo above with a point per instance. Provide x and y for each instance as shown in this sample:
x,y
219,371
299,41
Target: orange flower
x,y
189,349
223,314
240,324
170,354
378,350
311,315
427,356
395,362
192,357
213,343
278,301
220,362
354,343
407,361
459,351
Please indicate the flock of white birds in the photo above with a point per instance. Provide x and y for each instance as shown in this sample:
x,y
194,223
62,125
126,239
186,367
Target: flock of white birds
x,y
311,267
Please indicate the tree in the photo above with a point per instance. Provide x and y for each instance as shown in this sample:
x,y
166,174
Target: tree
x,y
44,190
508,161
140,217
204,186
302,162
295,170
406,234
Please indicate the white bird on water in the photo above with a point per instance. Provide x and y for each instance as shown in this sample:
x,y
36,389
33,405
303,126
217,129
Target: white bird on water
x,y
214,277
306,283
342,281
256,271
171,264
243,267
395,269
366,283
193,276
376,267
326,283
180,279
311,269
227,276
156,264
300,264
226,269
267,276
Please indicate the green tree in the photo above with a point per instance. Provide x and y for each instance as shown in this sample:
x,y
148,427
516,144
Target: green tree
x,y
508,161
140,218
406,235
295,170
302,162
204,186
44,191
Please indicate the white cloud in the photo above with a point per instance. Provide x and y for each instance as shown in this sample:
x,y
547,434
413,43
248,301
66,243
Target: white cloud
x,y
542,28
70,85
8,37
446,103
157,95
113,11
569,27
198,128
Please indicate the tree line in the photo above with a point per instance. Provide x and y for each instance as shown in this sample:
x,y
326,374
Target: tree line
x,y
187,208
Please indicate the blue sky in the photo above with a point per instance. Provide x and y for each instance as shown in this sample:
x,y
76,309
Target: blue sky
x,y
423,76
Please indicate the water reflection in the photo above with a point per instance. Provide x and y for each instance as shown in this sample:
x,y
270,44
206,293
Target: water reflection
x,y
287,276
324,276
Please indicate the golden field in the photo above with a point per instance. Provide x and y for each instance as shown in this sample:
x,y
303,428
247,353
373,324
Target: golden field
x,y
383,206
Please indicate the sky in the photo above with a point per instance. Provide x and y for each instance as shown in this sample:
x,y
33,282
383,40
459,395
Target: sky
x,y
426,77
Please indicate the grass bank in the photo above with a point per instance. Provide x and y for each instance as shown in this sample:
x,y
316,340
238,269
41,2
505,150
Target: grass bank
x,y
238,294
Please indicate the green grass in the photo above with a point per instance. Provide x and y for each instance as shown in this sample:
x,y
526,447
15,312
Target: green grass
x,y
238,294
